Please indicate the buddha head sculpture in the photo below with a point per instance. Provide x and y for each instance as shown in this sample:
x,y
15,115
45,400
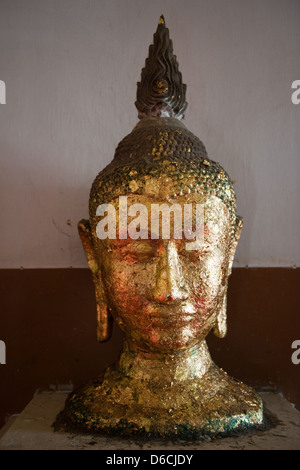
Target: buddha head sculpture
x,y
160,243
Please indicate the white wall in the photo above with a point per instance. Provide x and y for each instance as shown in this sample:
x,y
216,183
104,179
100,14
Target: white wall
x,y
70,69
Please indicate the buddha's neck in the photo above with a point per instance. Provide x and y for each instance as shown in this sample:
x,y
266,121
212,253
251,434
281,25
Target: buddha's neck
x,y
180,366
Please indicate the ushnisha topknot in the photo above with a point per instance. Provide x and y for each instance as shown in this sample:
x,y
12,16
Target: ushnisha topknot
x,y
159,149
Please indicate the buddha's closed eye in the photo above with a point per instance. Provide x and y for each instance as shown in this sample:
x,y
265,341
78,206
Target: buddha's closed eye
x,y
143,251
139,251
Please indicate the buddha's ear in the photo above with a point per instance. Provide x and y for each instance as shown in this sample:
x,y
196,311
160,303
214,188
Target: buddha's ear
x,y
104,318
220,326
236,236
85,234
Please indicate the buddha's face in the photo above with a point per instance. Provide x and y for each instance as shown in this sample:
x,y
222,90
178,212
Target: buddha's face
x,y
164,296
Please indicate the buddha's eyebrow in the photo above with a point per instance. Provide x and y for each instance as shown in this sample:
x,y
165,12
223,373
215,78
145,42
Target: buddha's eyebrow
x,y
154,239
209,235
118,243
130,242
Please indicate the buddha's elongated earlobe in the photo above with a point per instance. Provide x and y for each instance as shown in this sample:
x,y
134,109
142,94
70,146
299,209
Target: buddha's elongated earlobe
x,y
236,236
220,327
104,318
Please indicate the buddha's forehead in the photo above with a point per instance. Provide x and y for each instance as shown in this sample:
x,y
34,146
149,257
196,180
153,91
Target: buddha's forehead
x,y
204,209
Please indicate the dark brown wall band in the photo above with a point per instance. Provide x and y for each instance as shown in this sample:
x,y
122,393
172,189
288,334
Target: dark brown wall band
x,y
48,324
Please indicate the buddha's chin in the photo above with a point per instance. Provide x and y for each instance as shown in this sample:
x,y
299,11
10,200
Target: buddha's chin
x,y
167,340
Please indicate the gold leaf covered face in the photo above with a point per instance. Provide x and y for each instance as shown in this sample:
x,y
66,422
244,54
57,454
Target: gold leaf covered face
x,y
164,295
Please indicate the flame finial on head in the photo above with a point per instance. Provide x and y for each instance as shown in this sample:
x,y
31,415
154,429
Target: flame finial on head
x,y
161,93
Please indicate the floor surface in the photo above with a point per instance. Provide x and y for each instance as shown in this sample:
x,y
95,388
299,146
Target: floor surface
x,y
32,430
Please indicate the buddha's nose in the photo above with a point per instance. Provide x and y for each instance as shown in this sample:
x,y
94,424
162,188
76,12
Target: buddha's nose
x,y
169,281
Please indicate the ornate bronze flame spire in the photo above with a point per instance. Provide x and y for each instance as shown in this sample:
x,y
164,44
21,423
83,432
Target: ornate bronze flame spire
x,y
161,93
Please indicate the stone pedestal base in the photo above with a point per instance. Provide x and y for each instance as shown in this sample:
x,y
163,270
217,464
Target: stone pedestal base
x,y
33,430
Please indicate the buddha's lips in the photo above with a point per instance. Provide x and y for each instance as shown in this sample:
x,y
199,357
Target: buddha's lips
x,y
172,315
171,320
176,307
179,312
